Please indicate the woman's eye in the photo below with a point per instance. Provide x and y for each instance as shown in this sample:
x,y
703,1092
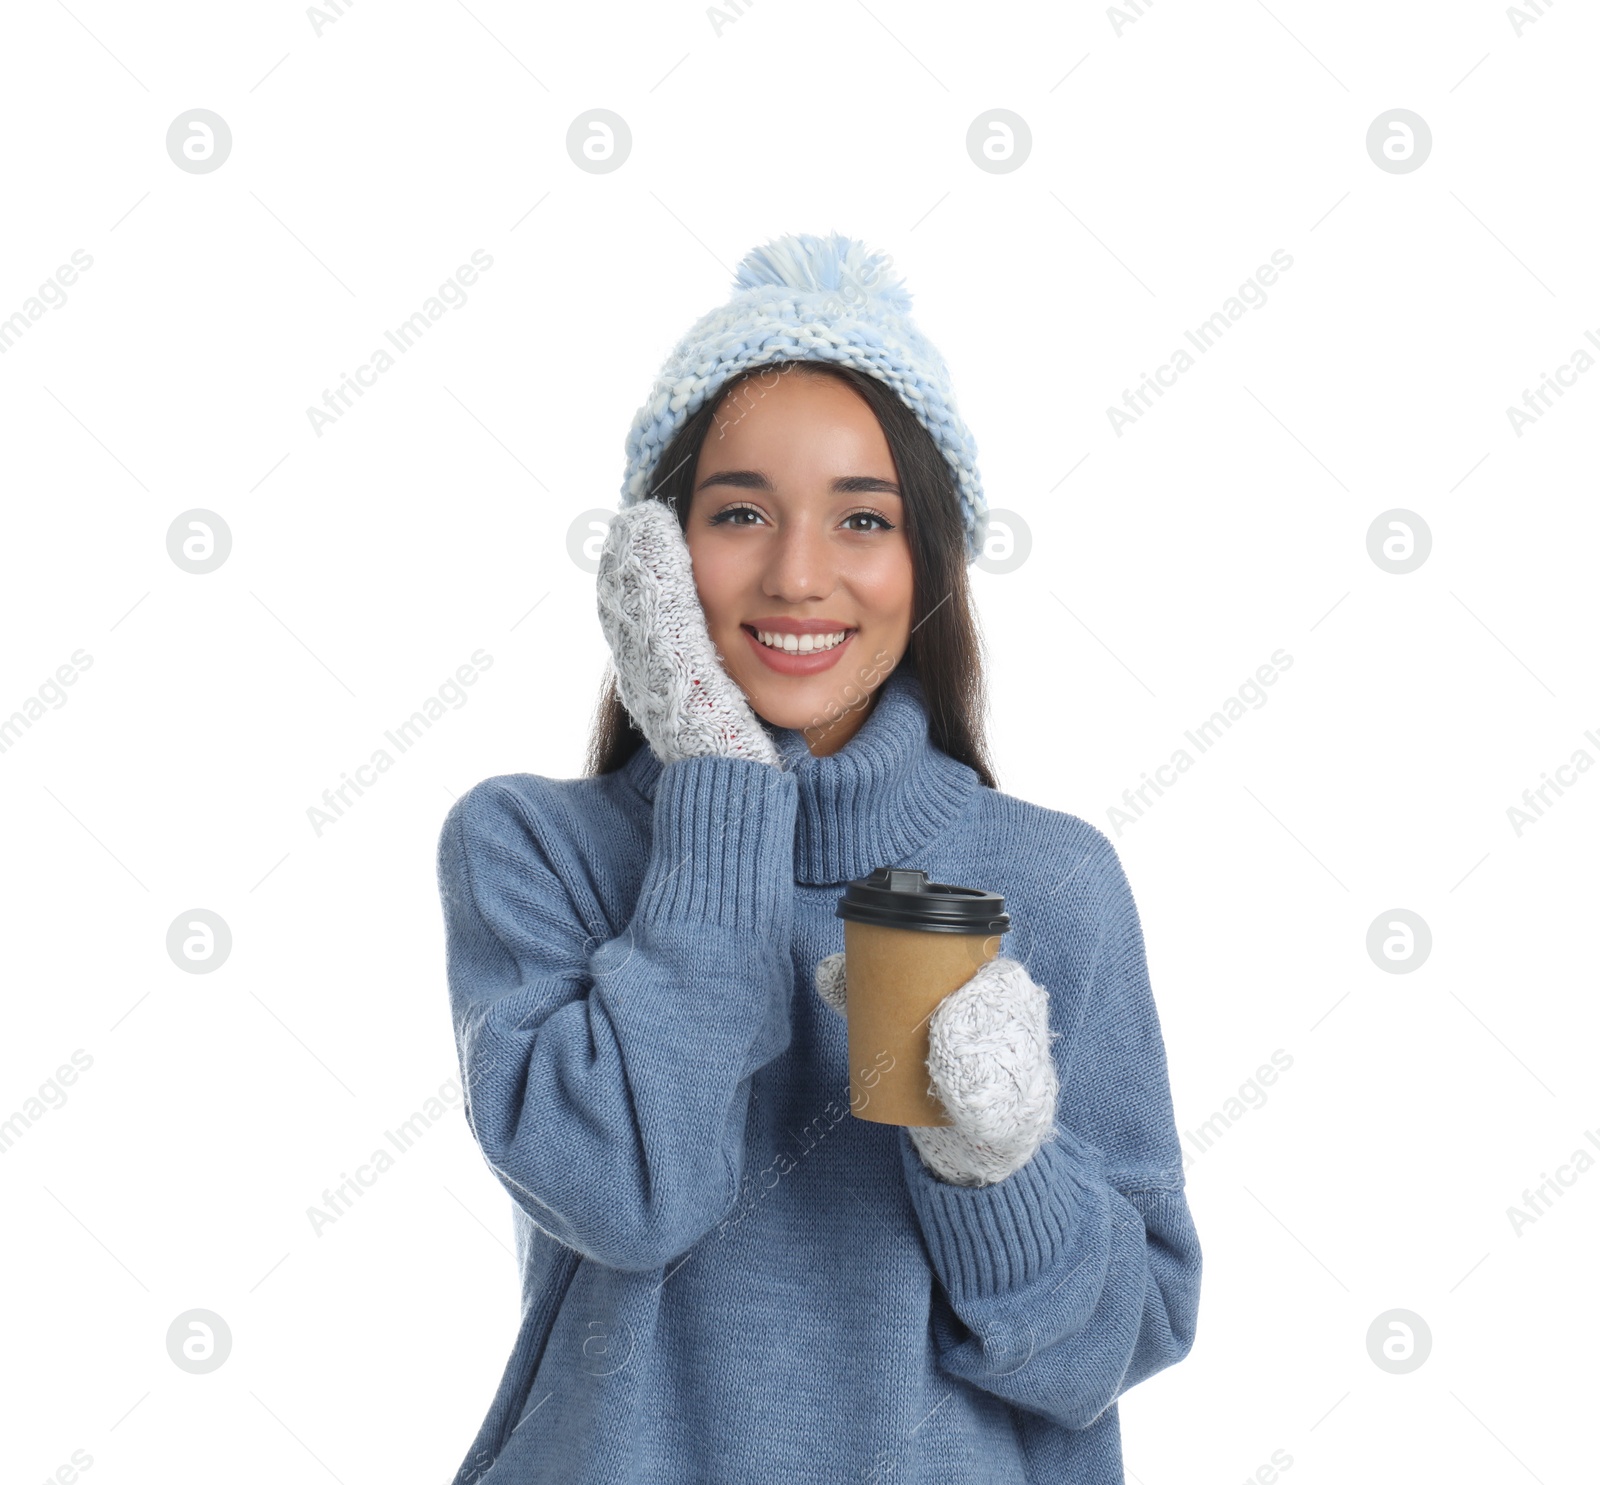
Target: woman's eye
x,y
728,516
725,517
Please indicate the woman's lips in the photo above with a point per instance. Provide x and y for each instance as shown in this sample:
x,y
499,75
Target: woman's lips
x,y
797,664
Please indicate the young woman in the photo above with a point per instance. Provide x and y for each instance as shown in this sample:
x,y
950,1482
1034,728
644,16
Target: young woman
x,y
726,1276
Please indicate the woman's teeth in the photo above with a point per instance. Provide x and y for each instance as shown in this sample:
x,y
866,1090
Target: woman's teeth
x,y
800,644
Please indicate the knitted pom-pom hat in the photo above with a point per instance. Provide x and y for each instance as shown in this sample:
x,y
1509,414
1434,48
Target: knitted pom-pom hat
x,y
807,298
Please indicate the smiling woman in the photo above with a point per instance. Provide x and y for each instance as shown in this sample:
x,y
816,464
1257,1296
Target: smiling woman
x,y
798,575
814,502
731,1272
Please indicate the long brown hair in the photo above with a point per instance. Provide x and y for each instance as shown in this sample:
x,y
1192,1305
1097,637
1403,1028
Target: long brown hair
x,y
945,649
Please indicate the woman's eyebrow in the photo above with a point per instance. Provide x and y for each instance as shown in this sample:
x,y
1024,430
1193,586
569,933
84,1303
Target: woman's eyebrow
x,y
846,484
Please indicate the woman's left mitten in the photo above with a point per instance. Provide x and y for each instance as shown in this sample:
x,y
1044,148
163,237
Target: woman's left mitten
x,y
829,978
989,1058
990,1064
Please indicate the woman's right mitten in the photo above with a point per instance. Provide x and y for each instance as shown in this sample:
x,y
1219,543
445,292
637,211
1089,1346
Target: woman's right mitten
x,y
669,674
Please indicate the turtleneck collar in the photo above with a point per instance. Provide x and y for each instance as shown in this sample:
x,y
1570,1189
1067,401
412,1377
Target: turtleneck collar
x,y
880,799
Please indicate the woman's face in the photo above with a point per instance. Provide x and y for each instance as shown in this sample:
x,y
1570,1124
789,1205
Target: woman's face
x,y
796,528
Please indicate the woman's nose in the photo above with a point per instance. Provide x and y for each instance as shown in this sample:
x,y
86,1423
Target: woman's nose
x,y
798,564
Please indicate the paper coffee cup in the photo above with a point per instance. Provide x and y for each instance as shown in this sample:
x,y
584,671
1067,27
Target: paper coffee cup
x,y
908,943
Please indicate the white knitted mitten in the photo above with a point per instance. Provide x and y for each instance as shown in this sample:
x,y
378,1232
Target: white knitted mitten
x,y
989,1058
669,674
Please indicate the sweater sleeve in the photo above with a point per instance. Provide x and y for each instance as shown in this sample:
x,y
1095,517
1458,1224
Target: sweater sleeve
x,y
607,1076
1077,1276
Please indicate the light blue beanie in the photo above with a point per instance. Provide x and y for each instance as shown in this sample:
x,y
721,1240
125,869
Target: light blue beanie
x,y
807,298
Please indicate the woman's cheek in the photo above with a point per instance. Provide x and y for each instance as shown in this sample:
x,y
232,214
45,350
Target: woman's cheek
x,y
711,578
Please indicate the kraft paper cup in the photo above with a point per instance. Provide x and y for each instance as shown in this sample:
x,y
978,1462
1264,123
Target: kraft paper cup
x,y
908,943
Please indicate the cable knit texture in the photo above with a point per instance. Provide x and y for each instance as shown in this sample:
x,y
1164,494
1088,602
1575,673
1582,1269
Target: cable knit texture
x,y
802,297
669,676
725,1275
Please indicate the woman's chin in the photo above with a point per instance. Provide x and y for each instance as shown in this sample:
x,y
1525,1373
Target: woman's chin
x,y
800,691
778,702
801,702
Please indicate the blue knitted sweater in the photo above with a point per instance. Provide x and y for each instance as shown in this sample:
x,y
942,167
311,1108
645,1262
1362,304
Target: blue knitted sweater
x,y
726,1276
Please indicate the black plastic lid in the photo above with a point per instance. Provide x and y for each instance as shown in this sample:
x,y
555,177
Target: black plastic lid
x,y
901,897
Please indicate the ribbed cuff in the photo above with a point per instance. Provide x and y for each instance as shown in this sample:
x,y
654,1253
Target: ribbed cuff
x,y
989,1240
723,849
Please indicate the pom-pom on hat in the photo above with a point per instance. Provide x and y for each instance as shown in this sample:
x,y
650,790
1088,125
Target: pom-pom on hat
x,y
807,298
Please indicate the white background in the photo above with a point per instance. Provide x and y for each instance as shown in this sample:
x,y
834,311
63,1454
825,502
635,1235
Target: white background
x,y
1171,154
